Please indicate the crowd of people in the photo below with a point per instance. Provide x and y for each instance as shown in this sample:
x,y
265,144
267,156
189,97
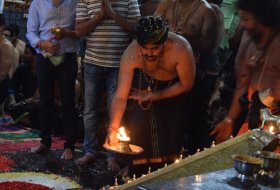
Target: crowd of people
x,y
158,73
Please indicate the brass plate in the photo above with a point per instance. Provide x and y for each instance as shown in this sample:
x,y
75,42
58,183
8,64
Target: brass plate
x,y
119,149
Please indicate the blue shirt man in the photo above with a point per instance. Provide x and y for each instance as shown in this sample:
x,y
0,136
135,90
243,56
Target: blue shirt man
x,y
56,60
44,15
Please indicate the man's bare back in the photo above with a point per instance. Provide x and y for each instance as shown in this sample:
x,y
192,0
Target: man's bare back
x,y
7,53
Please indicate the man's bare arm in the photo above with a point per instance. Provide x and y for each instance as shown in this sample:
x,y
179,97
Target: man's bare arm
x,y
119,101
84,27
125,23
224,129
186,71
243,75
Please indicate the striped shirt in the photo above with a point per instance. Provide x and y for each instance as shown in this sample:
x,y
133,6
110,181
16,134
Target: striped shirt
x,y
107,42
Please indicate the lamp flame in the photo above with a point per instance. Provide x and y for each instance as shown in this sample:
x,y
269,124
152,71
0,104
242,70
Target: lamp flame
x,y
122,135
271,129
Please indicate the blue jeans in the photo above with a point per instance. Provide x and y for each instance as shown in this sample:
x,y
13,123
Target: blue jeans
x,y
97,79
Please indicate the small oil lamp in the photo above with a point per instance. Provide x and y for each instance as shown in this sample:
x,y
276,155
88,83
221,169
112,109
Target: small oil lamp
x,y
123,145
123,140
55,30
271,128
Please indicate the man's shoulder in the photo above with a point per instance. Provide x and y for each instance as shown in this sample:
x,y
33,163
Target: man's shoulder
x,y
131,49
173,37
206,9
130,55
177,43
6,44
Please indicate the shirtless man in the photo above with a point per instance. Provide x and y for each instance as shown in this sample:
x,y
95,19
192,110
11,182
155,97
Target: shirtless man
x,y
257,61
6,60
201,24
193,19
156,68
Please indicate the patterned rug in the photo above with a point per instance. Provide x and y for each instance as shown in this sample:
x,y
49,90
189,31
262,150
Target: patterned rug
x,y
53,181
16,137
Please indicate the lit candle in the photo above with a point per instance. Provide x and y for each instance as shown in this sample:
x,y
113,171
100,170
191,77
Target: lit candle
x,y
198,178
116,182
271,129
213,144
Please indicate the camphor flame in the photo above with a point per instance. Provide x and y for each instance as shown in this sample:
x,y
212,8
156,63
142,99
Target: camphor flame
x,y
122,135
271,129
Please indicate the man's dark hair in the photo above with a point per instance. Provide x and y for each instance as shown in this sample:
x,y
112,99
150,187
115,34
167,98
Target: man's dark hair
x,y
267,11
217,2
33,51
14,29
151,30
2,20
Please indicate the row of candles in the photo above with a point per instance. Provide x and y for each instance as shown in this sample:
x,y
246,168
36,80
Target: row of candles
x,y
122,136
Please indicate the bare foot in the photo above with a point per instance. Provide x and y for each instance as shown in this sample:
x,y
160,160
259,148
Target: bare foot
x,y
86,159
68,154
113,165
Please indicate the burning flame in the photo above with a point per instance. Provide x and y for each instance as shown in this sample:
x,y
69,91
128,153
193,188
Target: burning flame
x,y
198,178
122,135
271,129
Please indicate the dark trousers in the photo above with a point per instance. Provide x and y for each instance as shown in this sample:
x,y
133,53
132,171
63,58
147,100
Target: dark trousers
x,y
198,128
65,75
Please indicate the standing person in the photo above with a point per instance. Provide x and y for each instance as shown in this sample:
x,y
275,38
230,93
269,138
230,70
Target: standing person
x,y
7,53
201,24
56,60
257,66
156,69
107,25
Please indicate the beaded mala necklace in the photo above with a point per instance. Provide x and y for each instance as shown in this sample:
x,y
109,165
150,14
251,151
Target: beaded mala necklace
x,y
255,54
184,16
151,81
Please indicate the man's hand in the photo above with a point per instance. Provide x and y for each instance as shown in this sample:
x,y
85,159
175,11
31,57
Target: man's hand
x,y
49,46
108,8
112,137
222,131
61,34
141,95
